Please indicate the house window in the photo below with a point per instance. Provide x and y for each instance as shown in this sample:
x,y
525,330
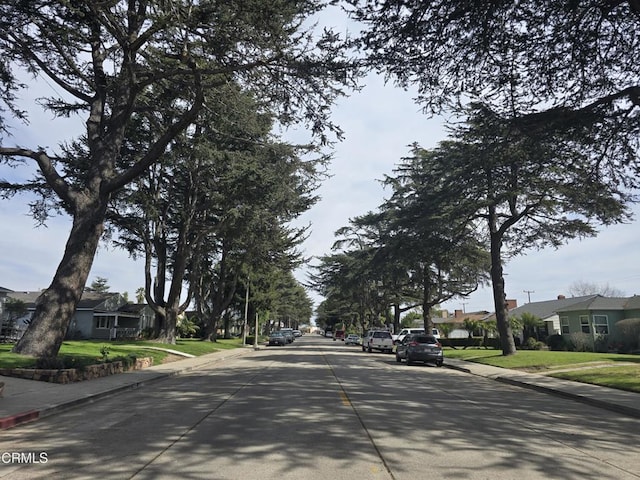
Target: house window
x,y
564,325
601,324
104,321
584,323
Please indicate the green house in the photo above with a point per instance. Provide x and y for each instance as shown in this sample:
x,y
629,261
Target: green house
x,y
597,315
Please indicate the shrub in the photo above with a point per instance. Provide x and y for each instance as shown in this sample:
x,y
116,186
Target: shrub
x,y
601,344
557,343
187,327
581,342
104,351
147,333
627,336
474,342
128,361
533,344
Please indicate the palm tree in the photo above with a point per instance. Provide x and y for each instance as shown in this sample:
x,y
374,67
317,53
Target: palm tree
x,y
530,324
471,326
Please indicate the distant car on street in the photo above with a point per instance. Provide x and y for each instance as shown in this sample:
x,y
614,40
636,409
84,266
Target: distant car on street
x,y
352,339
420,348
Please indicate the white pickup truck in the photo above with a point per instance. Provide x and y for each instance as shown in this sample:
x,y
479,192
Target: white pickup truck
x,y
377,340
409,331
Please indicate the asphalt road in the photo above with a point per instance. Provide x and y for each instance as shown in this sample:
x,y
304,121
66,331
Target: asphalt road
x,y
318,409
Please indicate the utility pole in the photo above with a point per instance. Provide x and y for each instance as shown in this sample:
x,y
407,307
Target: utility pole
x,y
529,292
246,312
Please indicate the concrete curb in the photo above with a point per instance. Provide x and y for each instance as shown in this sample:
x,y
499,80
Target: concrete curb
x,y
612,406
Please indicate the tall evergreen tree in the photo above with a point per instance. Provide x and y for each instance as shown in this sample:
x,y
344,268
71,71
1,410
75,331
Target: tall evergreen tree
x,y
523,190
426,235
110,60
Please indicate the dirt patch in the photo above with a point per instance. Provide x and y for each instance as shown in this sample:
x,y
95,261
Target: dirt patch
x,y
172,358
544,369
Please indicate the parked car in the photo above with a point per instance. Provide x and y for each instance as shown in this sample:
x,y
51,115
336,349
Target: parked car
x,y
297,333
288,333
420,348
352,339
378,340
277,338
410,331
338,335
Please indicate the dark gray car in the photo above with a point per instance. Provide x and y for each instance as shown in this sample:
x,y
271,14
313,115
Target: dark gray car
x,y
420,348
277,338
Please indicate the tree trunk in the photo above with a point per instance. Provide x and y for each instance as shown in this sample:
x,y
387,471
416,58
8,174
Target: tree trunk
x,y
427,301
227,325
396,318
168,326
56,306
500,298
211,332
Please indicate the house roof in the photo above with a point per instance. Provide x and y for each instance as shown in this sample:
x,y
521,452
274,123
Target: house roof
x,y
598,302
89,300
548,308
132,307
481,315
5,290
633,303
27,297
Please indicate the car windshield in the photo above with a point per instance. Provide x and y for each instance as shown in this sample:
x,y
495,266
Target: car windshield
x,y
424,339
381,334
277,334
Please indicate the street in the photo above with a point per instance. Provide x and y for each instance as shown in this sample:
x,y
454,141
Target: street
x,y
318,409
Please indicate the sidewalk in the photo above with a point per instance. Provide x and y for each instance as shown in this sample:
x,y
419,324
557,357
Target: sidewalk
x,y
29,400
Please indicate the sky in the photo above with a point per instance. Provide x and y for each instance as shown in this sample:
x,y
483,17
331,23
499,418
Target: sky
x,y
379,124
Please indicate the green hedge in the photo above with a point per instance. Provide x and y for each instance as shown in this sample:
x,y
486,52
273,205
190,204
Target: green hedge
x,y
473,342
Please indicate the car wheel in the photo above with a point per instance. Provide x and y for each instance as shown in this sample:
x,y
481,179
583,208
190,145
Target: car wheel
x,y
439,363
363,349
369,350
398,359
409,361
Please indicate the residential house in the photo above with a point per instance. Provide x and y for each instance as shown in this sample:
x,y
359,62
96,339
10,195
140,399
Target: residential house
x,y
98,316
3,298
8,331
547,311
457,321
597,315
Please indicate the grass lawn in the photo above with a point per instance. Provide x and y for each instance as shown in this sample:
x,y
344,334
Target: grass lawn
x,y
622,378
533,360
606,369
86,352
